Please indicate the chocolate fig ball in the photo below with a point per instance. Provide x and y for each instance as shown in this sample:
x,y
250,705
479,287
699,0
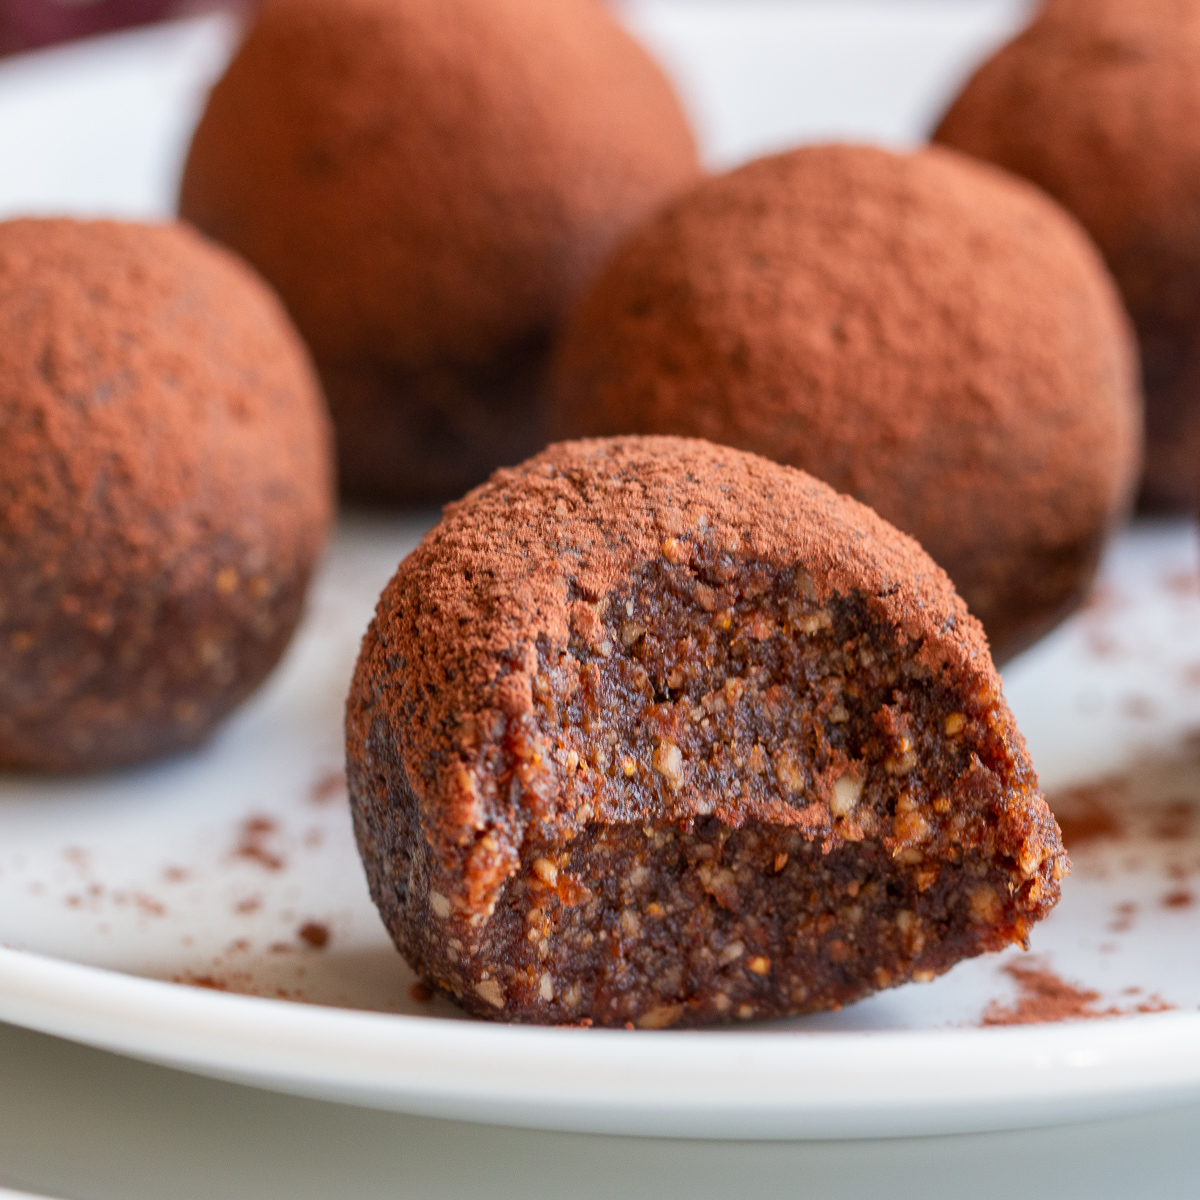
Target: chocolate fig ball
x,y
166,485
649,731
1098,102
922,331
428,185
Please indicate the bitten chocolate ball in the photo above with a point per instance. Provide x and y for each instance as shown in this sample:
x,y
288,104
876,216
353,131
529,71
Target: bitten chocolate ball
x,y
165,487
428,184
649,730
1098,102
919,330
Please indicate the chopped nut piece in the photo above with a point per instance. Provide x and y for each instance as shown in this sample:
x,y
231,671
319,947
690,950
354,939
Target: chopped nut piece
x,y
628,766
546,986
846,793
955,723
632,632
921,975
668,762
491,991
910,827
733,952
986,906
545,870
781,861
788,771
662,1017
760,965
226,581
439,904
675,551
815,621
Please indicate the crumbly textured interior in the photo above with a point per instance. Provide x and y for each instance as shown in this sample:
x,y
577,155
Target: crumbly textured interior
x,y
1098,103
919,330
728,792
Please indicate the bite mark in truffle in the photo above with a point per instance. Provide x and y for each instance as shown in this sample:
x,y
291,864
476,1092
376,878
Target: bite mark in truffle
x,y
652,731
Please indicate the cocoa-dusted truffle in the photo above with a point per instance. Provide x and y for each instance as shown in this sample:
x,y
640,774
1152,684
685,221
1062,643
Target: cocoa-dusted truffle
x,y
165,487
654,731
1098,102
428,185
921,331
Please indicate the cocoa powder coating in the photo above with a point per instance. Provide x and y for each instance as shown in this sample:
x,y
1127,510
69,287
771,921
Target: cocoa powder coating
x,y
920,331
1098,102
650,730
428,185
165,488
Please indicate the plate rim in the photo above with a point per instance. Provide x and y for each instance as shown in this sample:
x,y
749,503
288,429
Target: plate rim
x,y
747,1084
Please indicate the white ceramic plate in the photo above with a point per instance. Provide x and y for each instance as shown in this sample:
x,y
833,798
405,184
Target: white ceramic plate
x,y
233,870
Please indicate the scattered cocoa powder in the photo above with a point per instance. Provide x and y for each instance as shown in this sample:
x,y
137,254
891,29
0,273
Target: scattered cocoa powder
x,y
328,786
202,981
252,843
1125,913
1175,821
1042,997
1083,815
149,905
314,934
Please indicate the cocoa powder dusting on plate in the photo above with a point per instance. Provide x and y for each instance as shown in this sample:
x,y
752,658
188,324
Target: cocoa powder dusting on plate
x,y
314,934
1044,997
252,843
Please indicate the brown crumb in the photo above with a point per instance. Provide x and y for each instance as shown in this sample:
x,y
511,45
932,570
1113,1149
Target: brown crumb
x,y
1083,815
148,905
1124,918
1175,822
176,874
251,904
314,934
252,843
202,981
1155,1004
328,786
1179,899
421,992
